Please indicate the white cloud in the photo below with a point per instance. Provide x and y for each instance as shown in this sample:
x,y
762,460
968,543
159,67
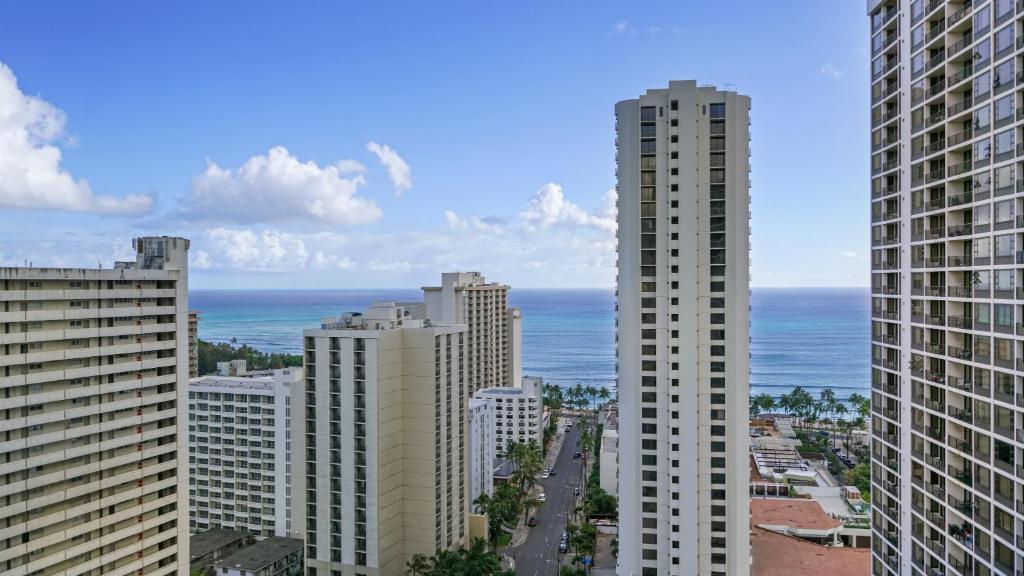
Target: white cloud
x,y
200,259
623,28
400,266
31,177
830,69
278,187
853,254
454,220
250,250
549,207
489,223
398,170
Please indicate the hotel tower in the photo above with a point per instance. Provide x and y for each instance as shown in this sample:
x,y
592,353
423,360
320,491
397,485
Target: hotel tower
x,y
683,333
946,273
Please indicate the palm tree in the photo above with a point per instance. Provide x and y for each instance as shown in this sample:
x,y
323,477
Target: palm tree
x,y
418,566
861,405
841,410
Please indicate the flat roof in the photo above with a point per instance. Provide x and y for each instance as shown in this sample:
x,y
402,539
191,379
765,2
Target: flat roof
x,y
261,554
206,542
792,512
779,555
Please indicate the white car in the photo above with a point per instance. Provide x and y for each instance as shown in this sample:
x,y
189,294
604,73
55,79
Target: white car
x,y
542,498
545,474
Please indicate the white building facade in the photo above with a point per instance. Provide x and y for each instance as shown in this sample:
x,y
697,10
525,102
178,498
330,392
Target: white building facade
x,y
382,442
517,412
683,331
481,444
239,451
494,331
947,369
93,375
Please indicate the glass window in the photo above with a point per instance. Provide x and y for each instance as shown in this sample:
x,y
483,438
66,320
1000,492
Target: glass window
x,y
916,36
1004,141
1004,38
982,51
982,248
983,149
1003,314
982,21
916,9
1003,108
1004,247
1003,7
982,216
1004,278
1004,178
981,313
1004,211
982,117
917,63
982,85
717,110
1003,74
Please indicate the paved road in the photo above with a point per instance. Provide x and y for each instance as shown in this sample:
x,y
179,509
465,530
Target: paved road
x,y
538,555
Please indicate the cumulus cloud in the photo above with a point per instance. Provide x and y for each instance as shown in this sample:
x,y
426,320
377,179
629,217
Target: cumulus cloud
x,y
398,169
488,223
250,250
278,187
549,207
831,70
31,177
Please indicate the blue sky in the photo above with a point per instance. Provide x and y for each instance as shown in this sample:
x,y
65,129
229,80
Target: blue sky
x,y
336,145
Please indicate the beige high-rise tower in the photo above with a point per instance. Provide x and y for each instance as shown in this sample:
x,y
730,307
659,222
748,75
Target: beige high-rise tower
x,y
946,299
683,332
93,377
380,457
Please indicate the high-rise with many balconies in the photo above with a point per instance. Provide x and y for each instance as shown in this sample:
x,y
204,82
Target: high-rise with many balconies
x,y
379,442
93,373
683,332
947,355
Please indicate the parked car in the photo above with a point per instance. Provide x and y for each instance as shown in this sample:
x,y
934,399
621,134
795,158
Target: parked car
x,y
552,472
532,521
576,492
577,454
563,545
542,498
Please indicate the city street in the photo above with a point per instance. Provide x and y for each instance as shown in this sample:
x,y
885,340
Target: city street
x,y
538,555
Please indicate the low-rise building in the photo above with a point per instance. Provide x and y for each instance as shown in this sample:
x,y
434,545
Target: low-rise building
x,y
206,548
480,440
274,556
609,460
239,429
774,554
517,412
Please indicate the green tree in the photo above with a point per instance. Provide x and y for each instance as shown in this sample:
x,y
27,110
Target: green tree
x,y
859,476
419,564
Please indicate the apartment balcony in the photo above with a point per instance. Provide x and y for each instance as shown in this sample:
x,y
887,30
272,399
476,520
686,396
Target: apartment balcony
x,y
959,353
958,169
934,176
960,75
884,191
962,136
935,319
959,444
887,364
885,92
960,384
963,476
959,14
959,291
885,117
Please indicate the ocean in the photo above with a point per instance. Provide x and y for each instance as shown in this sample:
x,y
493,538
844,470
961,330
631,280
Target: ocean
x,y
812,337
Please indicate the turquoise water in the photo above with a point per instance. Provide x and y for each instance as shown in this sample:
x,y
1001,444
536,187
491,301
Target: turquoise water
x,y
808,337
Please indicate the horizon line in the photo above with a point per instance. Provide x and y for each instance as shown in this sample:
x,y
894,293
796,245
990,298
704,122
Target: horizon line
x,y
533,288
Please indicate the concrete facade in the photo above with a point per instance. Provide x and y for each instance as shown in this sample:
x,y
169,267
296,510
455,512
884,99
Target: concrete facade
x,y
947,347
517,412
93,377
193,344
683,331
382,442
239,450
481,443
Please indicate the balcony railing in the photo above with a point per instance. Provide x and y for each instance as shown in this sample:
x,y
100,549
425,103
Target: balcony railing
x,y
958,169
956,77
959,137
959,198
959,45
959,14
959,291
959,230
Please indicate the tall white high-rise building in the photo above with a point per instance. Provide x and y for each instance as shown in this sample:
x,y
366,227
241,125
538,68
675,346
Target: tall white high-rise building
x,y
481,445
382,442
93,373
493,341
239,450
683,333
946,253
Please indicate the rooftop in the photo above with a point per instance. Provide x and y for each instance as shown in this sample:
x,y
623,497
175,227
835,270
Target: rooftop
x,y
206,542
803,557
795,513
261,554
502,391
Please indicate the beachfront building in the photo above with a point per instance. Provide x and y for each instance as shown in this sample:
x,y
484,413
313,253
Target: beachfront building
x,y
380,439
517,412
93,367
481,445
494,330
238,440
683,332
946,257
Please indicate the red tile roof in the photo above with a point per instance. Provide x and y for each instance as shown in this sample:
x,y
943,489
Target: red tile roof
x,y
779,555
792,512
